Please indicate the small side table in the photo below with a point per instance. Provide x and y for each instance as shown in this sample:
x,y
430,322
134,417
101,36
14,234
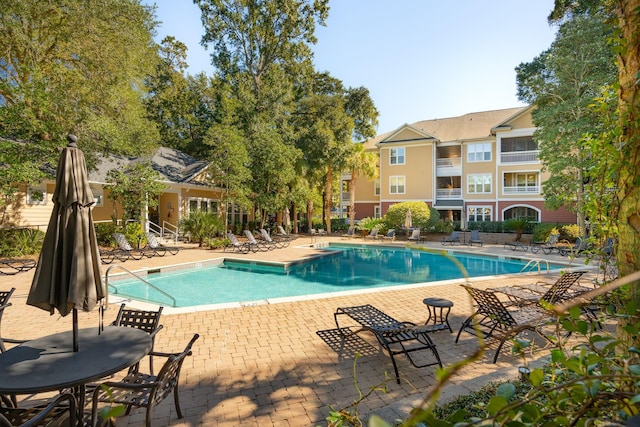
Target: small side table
x,y
438,309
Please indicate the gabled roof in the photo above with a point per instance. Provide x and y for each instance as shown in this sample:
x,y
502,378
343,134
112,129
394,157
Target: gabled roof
x,y
471,126
174,166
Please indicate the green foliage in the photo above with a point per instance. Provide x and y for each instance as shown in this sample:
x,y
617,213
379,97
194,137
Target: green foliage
x,y
104,233
570,232
201,225
542,231
134,232
519,226
19,242
216,242
369,224
486,226
397,213
135,187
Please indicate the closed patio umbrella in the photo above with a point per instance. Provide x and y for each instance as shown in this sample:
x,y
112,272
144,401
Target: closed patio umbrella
x,y
68,274
407,220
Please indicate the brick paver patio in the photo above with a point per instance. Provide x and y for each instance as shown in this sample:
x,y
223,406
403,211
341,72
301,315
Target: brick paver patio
x,y
267,365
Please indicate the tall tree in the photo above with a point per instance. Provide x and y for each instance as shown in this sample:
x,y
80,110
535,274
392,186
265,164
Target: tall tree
x,y
360,162
625,18
562,83
63,68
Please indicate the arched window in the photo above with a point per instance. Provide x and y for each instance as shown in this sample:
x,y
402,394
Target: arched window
x,y
522,212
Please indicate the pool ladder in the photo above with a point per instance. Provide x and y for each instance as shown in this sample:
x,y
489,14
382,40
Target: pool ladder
x,y
533,263
106,283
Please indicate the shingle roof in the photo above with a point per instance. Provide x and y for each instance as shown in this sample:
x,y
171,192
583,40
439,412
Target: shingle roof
x,y
466,127
173,165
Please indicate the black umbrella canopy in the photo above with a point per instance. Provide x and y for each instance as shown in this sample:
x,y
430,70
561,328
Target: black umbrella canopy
x,y
68,275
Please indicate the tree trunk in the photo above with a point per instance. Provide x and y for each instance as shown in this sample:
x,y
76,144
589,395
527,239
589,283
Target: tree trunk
x,y
352,199
327,199
628,255
310,214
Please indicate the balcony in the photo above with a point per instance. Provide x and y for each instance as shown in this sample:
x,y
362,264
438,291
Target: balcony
x,y
448,193
449,166
520,157
533,189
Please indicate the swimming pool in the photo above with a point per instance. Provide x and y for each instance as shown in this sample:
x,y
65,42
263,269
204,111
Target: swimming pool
x,y
343,268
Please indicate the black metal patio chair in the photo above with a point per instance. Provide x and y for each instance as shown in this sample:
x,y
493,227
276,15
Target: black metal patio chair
x,y
146,320
394,336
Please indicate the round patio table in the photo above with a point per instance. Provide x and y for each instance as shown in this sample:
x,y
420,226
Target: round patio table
x,y
49,363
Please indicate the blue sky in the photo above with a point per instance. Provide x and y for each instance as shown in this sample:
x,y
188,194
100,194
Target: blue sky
x,y
420,59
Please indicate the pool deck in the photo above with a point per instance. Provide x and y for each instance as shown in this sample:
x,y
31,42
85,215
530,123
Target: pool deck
x,y
266,364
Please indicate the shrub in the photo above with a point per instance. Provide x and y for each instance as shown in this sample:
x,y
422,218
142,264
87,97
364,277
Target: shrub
x,y
19,242
519,226
542,231
396,215
104,233
216,242
201,225
368,224
570,232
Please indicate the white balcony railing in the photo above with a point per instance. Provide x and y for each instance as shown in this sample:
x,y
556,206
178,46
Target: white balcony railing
x,y
534,189
449,193
451,162
520,157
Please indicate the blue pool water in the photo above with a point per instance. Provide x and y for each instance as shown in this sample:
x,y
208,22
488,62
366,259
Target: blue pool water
x,y
345,268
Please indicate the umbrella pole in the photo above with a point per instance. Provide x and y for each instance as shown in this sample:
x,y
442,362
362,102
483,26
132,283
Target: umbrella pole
x,y
75,330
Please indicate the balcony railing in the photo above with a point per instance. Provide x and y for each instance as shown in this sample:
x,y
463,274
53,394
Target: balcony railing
x,y
520,157
449,193
535,189
450,162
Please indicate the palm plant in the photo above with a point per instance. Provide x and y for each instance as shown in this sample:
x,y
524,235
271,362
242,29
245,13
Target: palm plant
x,y
518,225
201,225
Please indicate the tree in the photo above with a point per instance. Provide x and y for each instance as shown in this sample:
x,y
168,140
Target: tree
x,y
562,83
201,225
63,68
625,148
361,162
397,213
137,187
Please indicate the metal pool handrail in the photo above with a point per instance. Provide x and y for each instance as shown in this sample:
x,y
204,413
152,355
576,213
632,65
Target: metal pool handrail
x,y
106,282
535,262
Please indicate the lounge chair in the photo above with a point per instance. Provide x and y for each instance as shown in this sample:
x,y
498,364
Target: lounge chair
x,y
453,239
493,320
159,249
527,294
415,236
391,235
516,245
235,244
394,336
373,234
282,233
475,238
144,390
351,233
278,242
547,247
11,266
581,245
4,303
257,246
125,251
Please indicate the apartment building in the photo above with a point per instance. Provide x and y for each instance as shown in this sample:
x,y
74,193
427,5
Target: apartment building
x,y
481,166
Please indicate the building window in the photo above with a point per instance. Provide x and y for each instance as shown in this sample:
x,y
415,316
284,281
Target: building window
x,y
37,195
376,212
396,185
519,143
521,183
479,184
522,212
204,205
376,187
396,156
479,214
479,152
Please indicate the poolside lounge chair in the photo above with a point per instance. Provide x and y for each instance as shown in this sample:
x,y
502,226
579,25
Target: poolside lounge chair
x,y
351,233
234,243
256,245
394,336
11,266
125,251
157,247
494,320
278,242
527,294
452,239
581,245
415,236
282,233
475,238
547,247
391,235
516,245
144,390
373,234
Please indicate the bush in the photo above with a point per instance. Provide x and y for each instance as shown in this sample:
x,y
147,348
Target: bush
x,y
570,232
20,242
216,242
104,233
542,231
201,225
396,215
